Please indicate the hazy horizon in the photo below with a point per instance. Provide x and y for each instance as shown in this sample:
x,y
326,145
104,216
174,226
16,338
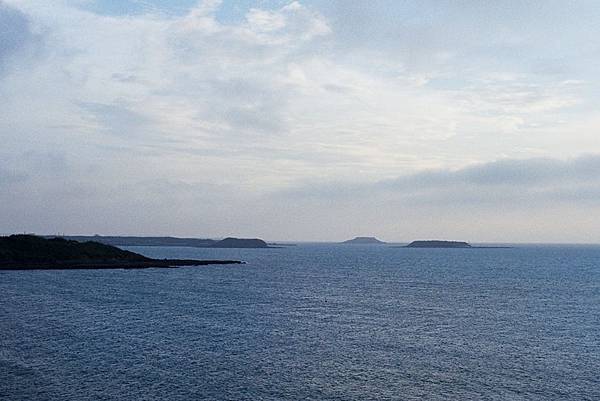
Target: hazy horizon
x,y
311,241
301,120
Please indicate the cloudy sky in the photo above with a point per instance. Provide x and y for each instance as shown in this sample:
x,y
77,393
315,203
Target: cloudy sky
x,y
302,120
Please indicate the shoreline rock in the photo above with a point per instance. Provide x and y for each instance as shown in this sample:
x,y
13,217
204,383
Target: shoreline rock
x,y
29,252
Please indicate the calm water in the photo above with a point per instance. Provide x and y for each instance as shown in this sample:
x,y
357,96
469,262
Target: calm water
x,y
310,322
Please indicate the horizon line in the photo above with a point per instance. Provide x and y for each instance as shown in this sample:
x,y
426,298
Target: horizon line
x,y
309,241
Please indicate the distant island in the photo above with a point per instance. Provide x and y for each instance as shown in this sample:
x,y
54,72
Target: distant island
x,y
438,244
28,252
449,244
240,243
169,241
364,241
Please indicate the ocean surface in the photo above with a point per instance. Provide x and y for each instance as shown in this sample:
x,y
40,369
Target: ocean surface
x,y
310,322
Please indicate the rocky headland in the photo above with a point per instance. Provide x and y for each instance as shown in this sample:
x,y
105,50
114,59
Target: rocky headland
x,y
28,252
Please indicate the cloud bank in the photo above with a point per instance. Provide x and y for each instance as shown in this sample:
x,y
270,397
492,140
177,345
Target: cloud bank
x,y
197,122
507,183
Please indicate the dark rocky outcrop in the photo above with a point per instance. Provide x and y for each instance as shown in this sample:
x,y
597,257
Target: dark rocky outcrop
x,y
143,241
25,252
240,243
171,241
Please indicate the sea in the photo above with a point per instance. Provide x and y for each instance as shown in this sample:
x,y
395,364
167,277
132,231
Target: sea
x,y
309,322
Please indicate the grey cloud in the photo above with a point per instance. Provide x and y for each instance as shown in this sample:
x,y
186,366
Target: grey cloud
x,y
508,182
341,89
512,172
126,78
118,120
54,162
257,104
15,33
252,105
254,119
237,104
235,74
25,167
9,177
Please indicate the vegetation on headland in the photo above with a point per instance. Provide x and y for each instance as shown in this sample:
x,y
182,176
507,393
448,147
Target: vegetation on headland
x,y
171,241
240,243
33,252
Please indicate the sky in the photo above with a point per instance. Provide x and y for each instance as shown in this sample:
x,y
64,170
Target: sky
x,y
302,120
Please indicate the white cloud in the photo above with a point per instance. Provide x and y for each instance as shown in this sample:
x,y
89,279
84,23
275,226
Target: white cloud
x,y
253,107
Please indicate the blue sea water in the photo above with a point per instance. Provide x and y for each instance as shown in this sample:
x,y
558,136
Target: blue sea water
x,y
311,322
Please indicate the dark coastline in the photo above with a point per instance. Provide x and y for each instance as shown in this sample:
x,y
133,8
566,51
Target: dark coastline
x,y
145,264
453,247
28,252
229,242
438,244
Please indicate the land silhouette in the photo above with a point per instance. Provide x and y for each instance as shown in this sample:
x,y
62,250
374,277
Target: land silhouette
x,y
363,241
28,252
240,243
447,244
229,242
438,244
